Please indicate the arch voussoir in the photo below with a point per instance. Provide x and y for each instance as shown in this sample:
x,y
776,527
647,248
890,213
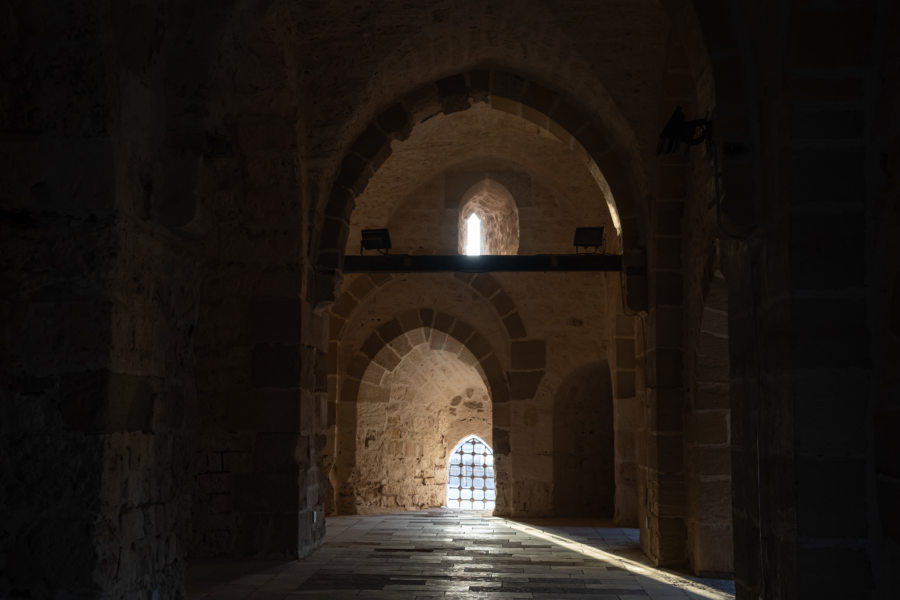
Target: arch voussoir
x,y
505,90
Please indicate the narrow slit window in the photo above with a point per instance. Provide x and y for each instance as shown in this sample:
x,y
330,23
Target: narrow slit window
x,y
470,480
473,235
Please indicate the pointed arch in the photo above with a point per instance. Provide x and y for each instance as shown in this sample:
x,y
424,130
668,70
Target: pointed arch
x,y
511,92
470,475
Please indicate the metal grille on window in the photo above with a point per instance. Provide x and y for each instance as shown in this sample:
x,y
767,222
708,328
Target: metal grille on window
x,y
470,481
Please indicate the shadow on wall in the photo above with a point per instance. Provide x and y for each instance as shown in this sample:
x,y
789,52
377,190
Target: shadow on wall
x,y
583,460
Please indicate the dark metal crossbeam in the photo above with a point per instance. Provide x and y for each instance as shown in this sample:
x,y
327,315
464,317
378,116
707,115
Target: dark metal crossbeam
x,y
406,263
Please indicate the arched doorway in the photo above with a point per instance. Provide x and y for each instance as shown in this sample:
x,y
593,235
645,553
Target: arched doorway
x,y
470,475
406,423
583,457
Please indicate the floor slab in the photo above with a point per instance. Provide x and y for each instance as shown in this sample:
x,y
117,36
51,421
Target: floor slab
x,y
451,554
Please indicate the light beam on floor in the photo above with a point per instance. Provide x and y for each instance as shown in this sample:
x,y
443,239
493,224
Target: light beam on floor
x,y
682,583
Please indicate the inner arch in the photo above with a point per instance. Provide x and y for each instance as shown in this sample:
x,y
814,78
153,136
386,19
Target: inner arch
x,y
437,169
408,419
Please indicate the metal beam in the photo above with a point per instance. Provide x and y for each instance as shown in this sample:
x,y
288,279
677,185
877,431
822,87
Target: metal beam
x,y
406,263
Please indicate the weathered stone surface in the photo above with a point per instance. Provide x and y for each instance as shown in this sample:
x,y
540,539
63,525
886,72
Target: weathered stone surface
x,y
181,185
530,354
407,426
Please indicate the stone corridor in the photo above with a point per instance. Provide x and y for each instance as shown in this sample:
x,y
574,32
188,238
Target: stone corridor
x,y
201,360
447,554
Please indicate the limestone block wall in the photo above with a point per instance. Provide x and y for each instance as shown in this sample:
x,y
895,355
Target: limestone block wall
x,y
625,375
708,440
373,340
421,195
583,447
534,368
572,324
197,328
95,368
409,422
158,171
256,475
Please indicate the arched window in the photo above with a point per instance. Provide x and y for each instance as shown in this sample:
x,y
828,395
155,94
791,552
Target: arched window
x,y
470,480
473,235
497,216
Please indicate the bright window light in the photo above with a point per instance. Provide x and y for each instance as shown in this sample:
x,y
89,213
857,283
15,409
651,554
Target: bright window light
x,y
470,481
473,235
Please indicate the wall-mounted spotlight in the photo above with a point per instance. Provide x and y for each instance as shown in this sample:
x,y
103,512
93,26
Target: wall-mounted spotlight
x,y
375,239
588,237
679,134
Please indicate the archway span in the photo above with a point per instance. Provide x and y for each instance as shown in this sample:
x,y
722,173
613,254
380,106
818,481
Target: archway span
x,y
377,358
417,191
482,285
409,412
393,341
507,91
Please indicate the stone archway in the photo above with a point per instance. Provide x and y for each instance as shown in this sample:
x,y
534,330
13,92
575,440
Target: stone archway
x,y
513,371
381,353
509,92
409,412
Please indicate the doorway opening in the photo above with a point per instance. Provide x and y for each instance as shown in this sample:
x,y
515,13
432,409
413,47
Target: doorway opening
x,y
470,480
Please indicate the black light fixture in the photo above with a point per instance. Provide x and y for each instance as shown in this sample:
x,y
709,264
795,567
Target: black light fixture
x,y
588,237
375,239
679,134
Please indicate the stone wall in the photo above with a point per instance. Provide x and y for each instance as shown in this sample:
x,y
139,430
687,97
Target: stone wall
x,y
85,419
173,260
553,194
179,187
410,421
420,192
583,462
708,439
533,340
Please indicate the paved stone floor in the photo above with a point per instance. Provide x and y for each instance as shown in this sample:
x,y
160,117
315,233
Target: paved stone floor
x,y
450,554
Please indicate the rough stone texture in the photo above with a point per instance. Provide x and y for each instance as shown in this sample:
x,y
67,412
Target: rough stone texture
x,y
533,370
583,464
498,217
179,184
407,425
708,441
412,190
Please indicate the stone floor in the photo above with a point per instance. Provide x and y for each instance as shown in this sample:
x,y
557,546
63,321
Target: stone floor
x,y
450,554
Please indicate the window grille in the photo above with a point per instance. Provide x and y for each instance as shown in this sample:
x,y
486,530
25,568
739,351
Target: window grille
x,y
470,481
